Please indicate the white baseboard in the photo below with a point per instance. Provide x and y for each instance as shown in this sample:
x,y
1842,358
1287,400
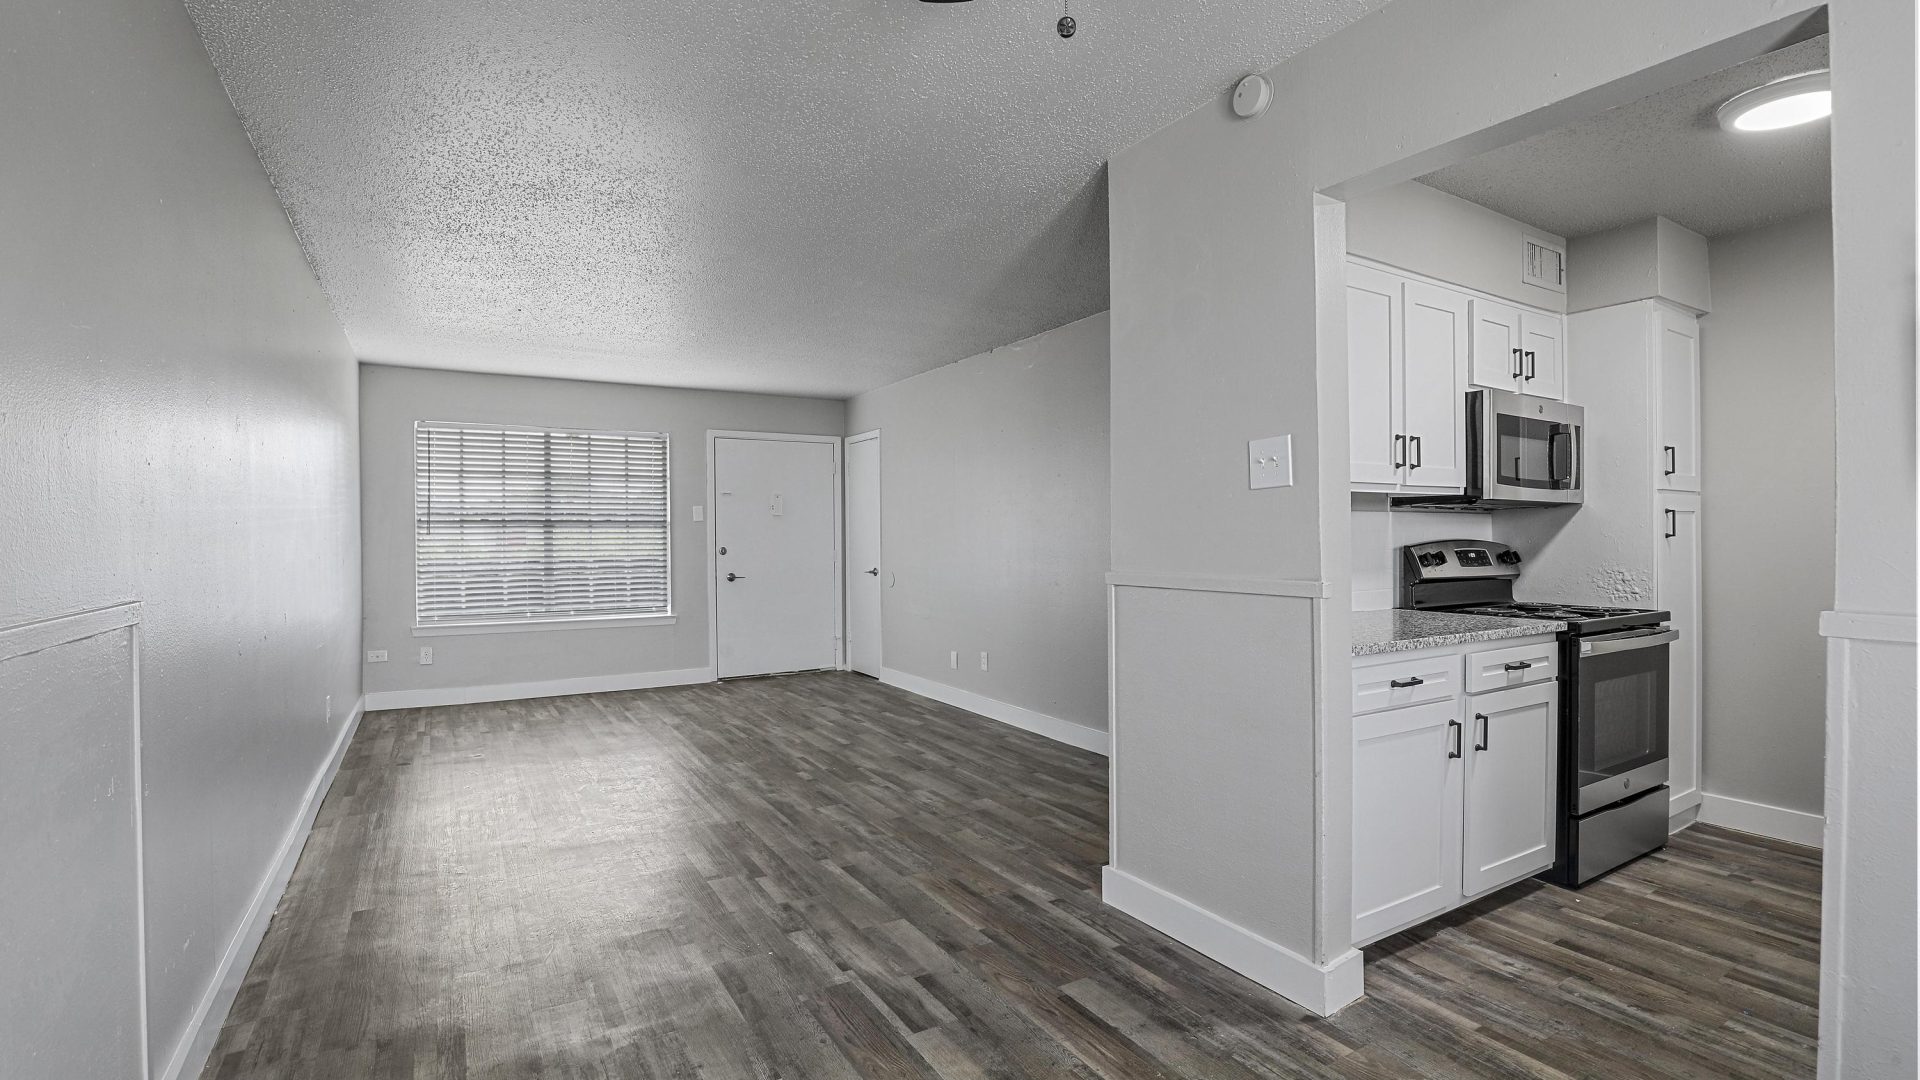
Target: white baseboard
x,y
1066,731
1793,826
1322,989
189,1057
591,684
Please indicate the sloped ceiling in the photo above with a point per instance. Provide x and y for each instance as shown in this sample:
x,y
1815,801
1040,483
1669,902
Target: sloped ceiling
x,y
1665,154
813,197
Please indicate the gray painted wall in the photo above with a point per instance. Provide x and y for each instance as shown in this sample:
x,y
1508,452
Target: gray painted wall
x,y
1766,378
1418,228
1640,261
393,398
177,425
994,521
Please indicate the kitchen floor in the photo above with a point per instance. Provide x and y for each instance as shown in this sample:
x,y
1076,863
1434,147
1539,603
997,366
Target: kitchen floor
x,y
820,876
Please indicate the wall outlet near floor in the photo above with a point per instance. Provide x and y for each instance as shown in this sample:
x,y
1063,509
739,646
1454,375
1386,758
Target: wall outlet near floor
x,y
426,654
983,661
953,660
376,656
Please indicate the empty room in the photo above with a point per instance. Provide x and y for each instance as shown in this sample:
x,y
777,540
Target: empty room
x,y
958,539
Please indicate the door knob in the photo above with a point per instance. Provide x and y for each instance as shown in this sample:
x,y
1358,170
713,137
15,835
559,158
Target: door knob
x,y
875,571
736,577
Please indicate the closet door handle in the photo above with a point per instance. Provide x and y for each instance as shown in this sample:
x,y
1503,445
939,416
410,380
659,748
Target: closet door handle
x,y
1519,363
1673,465
1399,451
1454,730
1486,732
1532,367
1418,456
1673,524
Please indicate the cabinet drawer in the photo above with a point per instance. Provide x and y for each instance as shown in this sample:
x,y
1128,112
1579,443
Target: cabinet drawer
x,y
1420,678
1516,665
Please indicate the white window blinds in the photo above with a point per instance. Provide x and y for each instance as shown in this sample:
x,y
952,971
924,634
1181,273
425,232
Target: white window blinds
x,y
519,524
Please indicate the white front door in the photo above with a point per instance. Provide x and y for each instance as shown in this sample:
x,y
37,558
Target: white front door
x,y
776,555
864,571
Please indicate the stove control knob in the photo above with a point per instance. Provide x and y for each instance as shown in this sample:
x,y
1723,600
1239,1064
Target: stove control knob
x,y
1510,557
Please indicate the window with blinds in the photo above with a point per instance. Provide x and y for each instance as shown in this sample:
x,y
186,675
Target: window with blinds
x,y
524,525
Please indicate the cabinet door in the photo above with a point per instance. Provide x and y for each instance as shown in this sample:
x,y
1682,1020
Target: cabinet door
x,y
1679,586
1543,355
1373,349
1434,386
1677,352
1496,345
1511,770
1406,816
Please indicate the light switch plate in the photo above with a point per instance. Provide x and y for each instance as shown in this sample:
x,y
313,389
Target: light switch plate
x,y
699,513
1270,462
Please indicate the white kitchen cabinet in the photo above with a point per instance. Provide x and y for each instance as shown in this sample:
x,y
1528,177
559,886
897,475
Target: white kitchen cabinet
x,y
1543,355
1676,355
1509,786
1373,351
1434,386
1497,352
1678,568
1406,816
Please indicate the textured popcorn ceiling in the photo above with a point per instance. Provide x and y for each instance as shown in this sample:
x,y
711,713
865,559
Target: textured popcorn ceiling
x,y
816,197
1665,154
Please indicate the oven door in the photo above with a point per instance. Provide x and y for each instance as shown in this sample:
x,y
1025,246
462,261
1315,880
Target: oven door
x,y
1619,716
1526,451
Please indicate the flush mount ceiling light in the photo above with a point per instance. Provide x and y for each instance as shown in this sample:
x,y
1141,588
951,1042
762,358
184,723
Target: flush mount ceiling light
x,y
1784,103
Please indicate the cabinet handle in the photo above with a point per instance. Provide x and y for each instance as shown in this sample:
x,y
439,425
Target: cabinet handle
x,y
1519,363
1418,456
1411,680
1399,451
1673,465
1673,524
1453,730
1486,731
1532,368
1519,665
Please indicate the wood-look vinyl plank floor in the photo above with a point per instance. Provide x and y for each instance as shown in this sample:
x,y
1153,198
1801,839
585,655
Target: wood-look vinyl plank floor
x,y
818,877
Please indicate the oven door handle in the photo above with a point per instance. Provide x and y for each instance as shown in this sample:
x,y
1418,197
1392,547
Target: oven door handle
x,y
1640,639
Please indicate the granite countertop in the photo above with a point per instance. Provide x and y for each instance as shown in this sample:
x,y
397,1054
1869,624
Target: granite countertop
x,y
1402,630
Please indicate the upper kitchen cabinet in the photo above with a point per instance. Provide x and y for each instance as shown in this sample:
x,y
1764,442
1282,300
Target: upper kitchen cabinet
x,y
1407,344
1677,353
1518,349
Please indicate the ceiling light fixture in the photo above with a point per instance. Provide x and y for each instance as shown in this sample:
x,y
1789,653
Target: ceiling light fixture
x,y
1783,103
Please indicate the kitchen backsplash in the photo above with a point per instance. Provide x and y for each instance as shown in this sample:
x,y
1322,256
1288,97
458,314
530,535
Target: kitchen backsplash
x,y
1378,536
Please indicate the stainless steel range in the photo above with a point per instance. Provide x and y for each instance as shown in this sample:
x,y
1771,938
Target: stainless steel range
x,y
1613,701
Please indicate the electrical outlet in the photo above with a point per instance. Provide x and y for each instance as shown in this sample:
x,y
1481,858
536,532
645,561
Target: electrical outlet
x,y
699,513
376,656
426,654
953,660
983,661
329,708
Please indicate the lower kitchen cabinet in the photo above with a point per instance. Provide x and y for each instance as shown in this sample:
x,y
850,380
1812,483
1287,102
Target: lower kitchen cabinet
x,y
1509,787
1454,798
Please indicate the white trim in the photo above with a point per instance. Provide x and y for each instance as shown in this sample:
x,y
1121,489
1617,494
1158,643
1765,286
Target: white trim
x,y
189,1057
590,684
1761,819
1318,590
839,537
1869,626
578,622
1323,989
1052,727
863,436
33,637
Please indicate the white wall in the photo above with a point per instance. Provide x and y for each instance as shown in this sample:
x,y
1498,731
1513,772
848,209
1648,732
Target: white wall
x,y
1766,360
1867,946
1378,534
994,521
1431,232
1650,258
177,410
393,398
1221,286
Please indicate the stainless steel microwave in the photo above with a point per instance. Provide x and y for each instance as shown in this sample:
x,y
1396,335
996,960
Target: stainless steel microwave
x,y
1521,451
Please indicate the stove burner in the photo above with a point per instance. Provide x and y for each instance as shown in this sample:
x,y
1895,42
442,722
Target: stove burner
x,y
1558,612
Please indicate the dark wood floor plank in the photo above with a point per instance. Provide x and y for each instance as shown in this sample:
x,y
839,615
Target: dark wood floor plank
x,y
817,876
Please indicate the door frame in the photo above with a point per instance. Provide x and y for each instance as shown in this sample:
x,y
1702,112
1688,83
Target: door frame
x,y
714,435
846,580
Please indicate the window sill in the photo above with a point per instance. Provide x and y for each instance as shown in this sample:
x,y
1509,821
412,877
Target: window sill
x,y
535,625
